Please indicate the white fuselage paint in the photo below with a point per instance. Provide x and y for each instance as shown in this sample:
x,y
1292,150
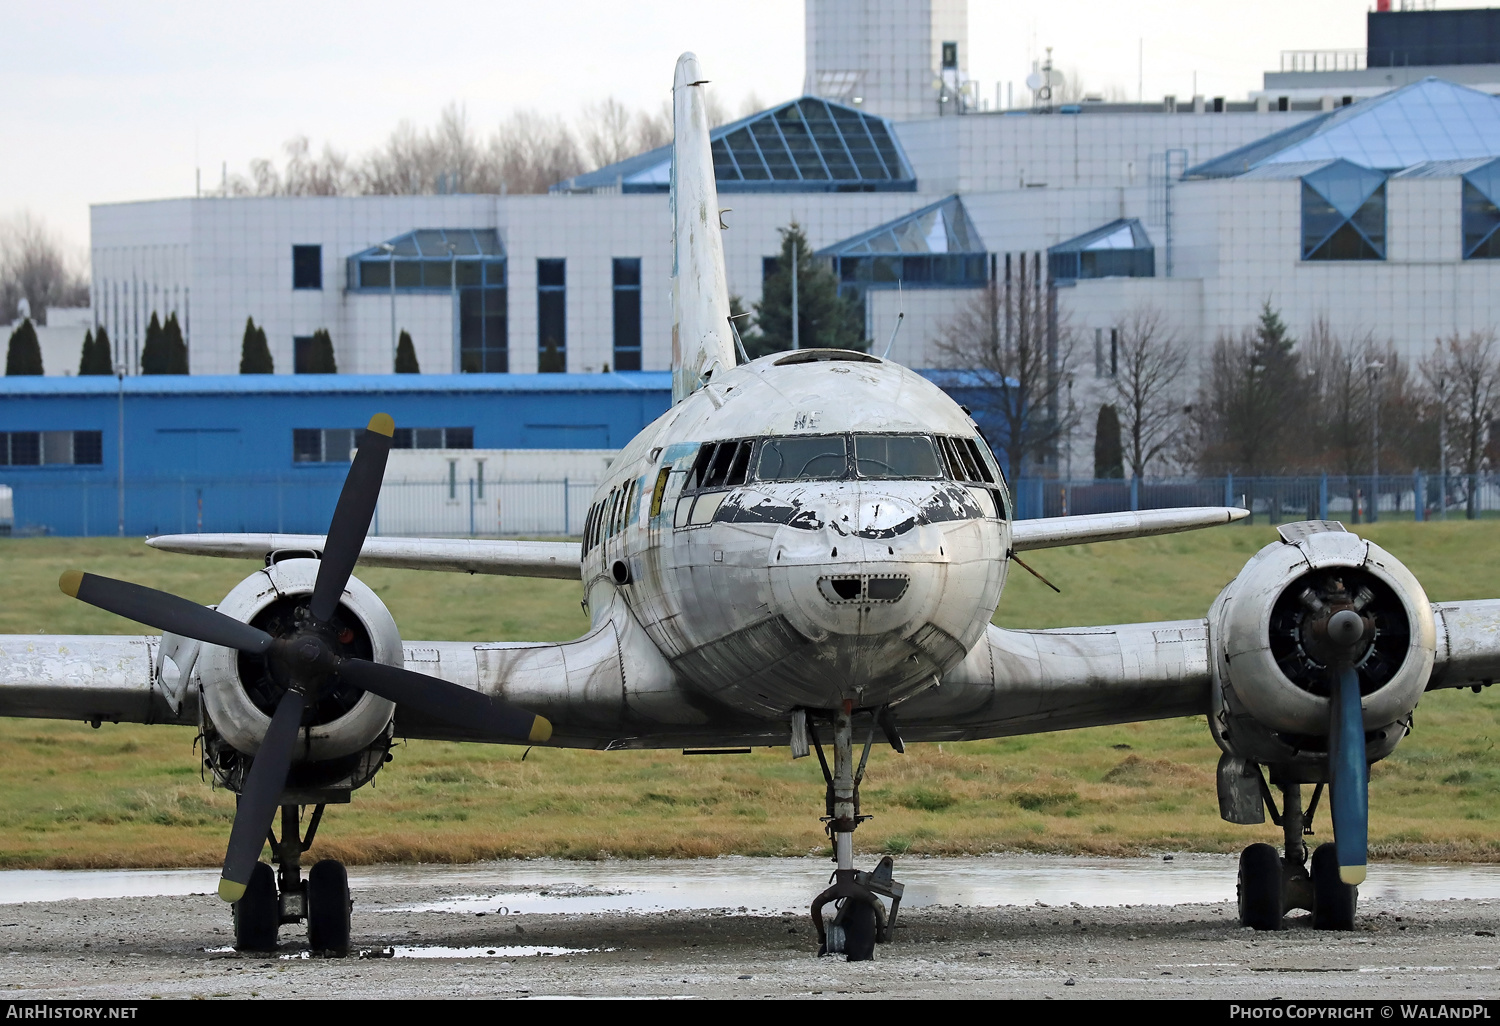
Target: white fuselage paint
x,y
742,610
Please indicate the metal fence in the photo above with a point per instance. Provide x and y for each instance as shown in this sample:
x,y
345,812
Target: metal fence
x,y
293,505
459,507
1419,496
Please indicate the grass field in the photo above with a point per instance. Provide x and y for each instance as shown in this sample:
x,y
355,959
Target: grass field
x,y
131,796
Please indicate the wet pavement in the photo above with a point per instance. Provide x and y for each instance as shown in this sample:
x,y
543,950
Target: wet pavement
x,y
769,886
1024,926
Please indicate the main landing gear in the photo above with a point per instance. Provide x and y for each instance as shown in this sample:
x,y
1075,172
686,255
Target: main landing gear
x,y
274,899
860,918
1271,883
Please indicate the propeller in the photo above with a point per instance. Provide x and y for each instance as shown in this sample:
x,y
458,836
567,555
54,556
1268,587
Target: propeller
x,y
1338,635
307,658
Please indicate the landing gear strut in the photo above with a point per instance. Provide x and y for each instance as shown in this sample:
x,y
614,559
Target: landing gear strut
x,y
273,899
861,918
1272,883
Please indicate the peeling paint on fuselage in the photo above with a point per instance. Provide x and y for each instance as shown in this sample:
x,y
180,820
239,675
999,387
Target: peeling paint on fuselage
x,y
735,605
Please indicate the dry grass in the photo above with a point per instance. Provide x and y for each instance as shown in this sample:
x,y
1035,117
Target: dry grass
x,y
130,796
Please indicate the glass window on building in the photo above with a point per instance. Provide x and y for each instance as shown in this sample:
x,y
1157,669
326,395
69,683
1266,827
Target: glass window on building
x,y
51,448
1481,214
627,289
1343,213
433,438
307,267
551,316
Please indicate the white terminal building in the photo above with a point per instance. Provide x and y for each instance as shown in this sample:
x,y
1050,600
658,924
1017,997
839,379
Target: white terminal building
x,y
1358,188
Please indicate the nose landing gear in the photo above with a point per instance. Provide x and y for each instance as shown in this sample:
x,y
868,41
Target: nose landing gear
x,y
274,899
861,919
1272,884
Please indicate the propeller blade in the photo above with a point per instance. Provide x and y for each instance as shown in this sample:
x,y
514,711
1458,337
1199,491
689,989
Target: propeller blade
x,y
164,612
1350,773
258,801
446,701
352,516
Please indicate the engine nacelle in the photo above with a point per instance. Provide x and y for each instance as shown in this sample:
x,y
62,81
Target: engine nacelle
x,y
240,696
1270,699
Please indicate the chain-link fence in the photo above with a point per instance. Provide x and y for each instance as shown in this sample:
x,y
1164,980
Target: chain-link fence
x,y
460,507
1418,496
455,507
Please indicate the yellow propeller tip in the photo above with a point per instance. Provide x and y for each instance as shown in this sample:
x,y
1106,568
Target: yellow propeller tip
x,y
1352,875
383,424
231,891
70,582
541,730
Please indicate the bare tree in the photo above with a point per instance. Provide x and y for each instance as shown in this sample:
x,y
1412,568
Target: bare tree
x,y
1009,338
34,266
608,132
531,152
1463,373
1147,387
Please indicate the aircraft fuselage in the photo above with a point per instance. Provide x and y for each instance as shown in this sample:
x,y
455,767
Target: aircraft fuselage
x,y
811,529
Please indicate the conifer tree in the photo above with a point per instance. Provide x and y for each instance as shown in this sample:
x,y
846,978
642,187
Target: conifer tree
x,y
255,354
24,354
551,360
406,355
320,359
95,358
825,319
1109,455
154,358
174,346
101,358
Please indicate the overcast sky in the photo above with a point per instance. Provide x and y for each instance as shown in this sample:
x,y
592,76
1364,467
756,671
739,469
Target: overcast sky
x,y
106,102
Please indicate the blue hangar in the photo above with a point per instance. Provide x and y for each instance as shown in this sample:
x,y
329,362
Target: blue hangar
x,y
269,452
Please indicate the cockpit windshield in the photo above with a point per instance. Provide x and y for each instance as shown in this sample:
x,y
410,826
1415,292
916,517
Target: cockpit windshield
x,y
903,457
802,458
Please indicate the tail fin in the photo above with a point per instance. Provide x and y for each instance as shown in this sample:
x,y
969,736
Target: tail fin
x,y
701,342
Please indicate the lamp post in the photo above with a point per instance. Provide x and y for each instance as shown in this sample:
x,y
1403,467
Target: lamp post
x,y
1374,367
795,261
457,326
120,434
390,250
1443,448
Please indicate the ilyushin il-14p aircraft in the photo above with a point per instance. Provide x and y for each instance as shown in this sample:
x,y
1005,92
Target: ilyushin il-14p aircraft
x,y
806,550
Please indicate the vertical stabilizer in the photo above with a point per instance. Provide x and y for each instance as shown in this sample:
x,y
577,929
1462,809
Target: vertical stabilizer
x,y
701,344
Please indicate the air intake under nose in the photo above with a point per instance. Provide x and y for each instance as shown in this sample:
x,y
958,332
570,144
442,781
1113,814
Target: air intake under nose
x,y
855,588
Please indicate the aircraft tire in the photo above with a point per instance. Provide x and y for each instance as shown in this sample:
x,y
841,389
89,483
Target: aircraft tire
x,y
328,908
1259,887
258,913
1334,901
859,931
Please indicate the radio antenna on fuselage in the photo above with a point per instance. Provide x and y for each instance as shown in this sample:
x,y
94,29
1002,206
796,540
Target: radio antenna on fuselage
x,y
900,316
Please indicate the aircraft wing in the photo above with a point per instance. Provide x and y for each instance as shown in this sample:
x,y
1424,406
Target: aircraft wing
x,y
1051,532
612,689
456,555
560,559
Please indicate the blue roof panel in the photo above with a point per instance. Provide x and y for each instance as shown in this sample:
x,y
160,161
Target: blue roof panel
x,y
941,227
805,145
1430,120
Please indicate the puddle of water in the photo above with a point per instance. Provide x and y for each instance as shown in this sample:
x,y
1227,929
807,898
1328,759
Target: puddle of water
x,y
432,951
772,886
510,951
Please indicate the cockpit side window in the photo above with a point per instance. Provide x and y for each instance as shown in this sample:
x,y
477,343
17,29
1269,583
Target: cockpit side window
x,y
803,458
720,465
901,457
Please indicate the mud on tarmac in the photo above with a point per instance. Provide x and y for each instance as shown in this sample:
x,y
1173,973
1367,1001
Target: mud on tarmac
x,y
177,947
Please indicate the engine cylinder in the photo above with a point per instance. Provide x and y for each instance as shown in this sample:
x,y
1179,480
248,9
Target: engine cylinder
x,y
239,697
1264,670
